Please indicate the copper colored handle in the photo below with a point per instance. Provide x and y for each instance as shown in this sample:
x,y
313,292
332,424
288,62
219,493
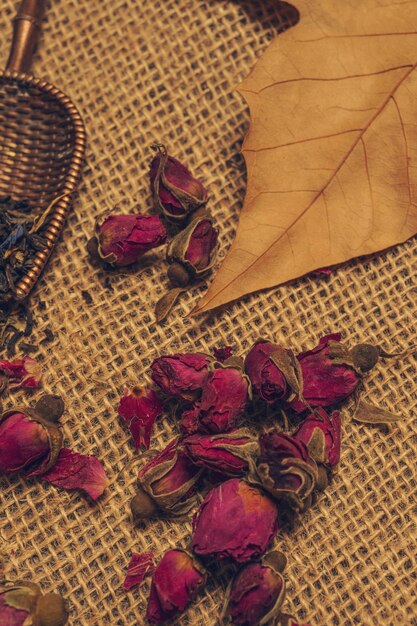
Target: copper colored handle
x,y
26,26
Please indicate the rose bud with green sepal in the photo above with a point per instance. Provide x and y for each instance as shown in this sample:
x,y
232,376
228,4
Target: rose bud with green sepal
x,y
121,240
235,521
177,580
22,604
229,454
181,375
176,193
257,592
167,484
286,470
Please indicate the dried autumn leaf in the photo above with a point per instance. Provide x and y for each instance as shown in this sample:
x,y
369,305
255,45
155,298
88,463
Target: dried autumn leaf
x,y
331,152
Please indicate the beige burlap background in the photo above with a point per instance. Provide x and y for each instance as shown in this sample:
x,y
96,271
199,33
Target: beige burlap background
x,y
146,70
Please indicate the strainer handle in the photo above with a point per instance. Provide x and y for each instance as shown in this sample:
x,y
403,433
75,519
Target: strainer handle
x,y
26,27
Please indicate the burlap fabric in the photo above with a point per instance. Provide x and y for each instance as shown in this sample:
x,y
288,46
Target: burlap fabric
x,y
165,70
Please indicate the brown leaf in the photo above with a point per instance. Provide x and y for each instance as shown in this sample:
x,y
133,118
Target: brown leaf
x,y
332,148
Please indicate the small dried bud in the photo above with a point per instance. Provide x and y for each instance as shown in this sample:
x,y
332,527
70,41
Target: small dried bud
x,y
176,193
286,470
328,378
256,595
28,443
267,379
224,397
167,484
365,356
123,239
176,582
51,611
22,603
181,375
140,407
235,521
230,454
321,434
195,247
23,373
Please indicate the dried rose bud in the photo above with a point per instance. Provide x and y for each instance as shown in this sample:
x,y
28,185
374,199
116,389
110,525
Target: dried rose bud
x,y
140,565
167,484
176,582
256,594
193,250
286,470
224,397
122,239
328,373
140,407
181,375
230,454
22,373
176,193
22,603
321,433
266,377
28,443
235,521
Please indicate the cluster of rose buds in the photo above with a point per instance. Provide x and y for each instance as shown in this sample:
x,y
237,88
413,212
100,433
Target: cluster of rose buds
x,y
31,444
23,603
180,199
257,483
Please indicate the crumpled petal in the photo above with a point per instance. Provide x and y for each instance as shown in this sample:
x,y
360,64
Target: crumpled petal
x,y
78,471
140,407
139,566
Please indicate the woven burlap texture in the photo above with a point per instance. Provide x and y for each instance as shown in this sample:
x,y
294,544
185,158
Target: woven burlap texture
x,y
165,70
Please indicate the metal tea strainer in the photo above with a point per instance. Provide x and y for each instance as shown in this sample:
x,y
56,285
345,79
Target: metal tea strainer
x,y
42,139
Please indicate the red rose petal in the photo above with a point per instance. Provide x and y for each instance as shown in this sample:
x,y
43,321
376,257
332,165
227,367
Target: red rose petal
x,y
139,566
78,471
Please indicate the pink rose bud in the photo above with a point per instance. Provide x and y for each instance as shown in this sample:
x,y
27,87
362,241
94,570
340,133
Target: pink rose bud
x,y
321,434
22,603
27,443
192,252
140,565
167,484
22,373
224,397
230,454
123,239
286,470
176,193
330,373
177,580
256,594
181,375
140,408
267,379
235,521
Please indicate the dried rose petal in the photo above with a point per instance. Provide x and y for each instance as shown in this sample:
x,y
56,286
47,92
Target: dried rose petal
x,y
223,353
140,565
181,375
190,422
267,379
321,434
78,471
325,381
256,595
124,239
177,580
167,483
176,193
140,407
24,373
230,454
286,469
224,396
236,521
